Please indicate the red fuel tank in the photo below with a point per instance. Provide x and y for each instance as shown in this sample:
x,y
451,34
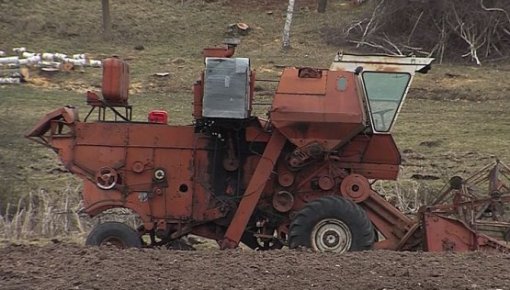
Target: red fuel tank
x,y
115,81
158,116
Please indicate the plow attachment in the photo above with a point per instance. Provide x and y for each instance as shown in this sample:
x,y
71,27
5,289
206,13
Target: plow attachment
x,y
448,234
466,217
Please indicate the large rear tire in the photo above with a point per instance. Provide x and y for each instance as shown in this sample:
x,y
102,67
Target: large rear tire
x,y
332,224
114,233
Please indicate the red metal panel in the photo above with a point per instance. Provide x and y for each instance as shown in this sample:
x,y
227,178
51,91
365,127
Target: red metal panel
x,y
388,220
291,83
179,195
326,109
382,149
66,114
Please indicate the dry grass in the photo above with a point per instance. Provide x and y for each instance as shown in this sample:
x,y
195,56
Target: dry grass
x,y
43,216
40,214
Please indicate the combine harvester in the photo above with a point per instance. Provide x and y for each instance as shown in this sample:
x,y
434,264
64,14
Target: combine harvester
x,y
302,178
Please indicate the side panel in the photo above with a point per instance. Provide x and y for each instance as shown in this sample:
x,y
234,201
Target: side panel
x,y
179,195
325,108
373,156
135,152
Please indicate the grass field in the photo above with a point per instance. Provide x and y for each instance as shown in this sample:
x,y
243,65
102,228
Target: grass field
x,y
455,120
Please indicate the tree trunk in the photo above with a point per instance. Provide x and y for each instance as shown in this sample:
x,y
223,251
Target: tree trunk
x,y
286,28
321,5
107,22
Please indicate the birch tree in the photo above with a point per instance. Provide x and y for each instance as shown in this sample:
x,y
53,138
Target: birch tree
x,y
286,28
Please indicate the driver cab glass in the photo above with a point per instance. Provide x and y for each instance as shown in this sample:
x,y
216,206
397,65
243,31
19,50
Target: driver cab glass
x,y
385,91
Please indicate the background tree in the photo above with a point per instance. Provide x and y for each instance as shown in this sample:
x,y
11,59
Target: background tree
x,y
475,30
286,28
321,5
107,22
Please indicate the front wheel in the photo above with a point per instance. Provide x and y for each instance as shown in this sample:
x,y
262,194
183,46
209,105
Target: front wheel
x,y
332,224
114,233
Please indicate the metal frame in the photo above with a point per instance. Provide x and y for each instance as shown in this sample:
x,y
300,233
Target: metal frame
x,y
102,107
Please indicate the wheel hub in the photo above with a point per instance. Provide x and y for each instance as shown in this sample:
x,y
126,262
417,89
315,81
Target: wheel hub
x,y
113,241
331,235
331,238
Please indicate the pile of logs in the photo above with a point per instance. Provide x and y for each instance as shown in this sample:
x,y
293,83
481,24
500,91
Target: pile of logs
x,y
13,75
14,69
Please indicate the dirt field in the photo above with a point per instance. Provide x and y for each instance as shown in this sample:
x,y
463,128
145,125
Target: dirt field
x,y
75,267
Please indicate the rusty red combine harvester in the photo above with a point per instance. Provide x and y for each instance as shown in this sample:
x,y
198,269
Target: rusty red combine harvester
x,y
301,178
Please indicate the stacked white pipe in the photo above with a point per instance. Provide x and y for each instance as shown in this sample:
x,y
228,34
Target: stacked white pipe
x,y
10,65
46,59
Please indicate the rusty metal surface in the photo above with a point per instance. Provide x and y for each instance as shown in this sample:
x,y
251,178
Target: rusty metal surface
x,y
447,234
351,62
115,86
389,221
479,201
253,191
314,109
65,114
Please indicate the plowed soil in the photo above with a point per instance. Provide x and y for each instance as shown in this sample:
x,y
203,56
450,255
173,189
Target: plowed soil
x,y
75,267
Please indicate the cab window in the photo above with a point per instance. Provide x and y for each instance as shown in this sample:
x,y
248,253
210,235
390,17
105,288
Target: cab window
x,y
385,92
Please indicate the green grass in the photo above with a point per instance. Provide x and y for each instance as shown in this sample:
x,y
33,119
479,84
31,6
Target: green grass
x,y
450,137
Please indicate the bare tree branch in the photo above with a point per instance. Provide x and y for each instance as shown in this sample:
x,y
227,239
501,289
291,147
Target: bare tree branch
x,y
441,29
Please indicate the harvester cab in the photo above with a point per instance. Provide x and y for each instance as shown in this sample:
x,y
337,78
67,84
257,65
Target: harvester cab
x,y
301,179
385,81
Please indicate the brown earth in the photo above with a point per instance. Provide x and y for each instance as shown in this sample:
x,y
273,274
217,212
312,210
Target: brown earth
x,y
75,267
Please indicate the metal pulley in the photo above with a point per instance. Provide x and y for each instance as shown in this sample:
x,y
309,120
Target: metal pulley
x,y
106,178
283,201
355,187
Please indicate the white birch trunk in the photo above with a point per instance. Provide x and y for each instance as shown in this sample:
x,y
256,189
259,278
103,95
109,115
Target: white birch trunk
x,y
286,28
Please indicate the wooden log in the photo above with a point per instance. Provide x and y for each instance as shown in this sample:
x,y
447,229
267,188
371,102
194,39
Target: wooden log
x,y
27,54
20,73
31,61
95,63
79,56
10,80
53,56
9,59
9,72
9,65
19,50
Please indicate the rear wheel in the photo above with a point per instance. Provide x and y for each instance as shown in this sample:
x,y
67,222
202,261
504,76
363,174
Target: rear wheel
x,y
332,224
115,234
